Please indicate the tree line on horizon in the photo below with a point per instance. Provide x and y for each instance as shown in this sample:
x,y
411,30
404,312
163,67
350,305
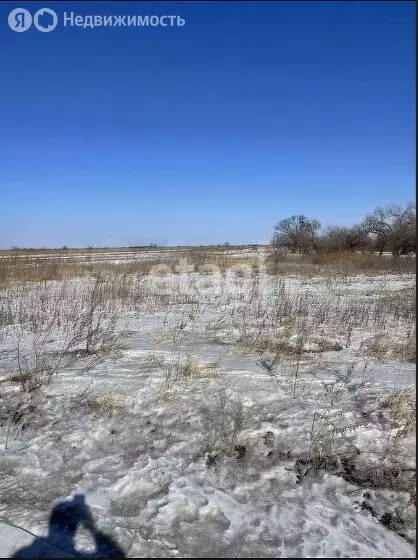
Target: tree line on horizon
x,y
388,229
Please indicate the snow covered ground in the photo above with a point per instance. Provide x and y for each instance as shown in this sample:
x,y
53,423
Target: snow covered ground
x,y
212,417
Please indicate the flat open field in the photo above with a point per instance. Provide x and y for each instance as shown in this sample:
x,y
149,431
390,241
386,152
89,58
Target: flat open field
x,y
209,402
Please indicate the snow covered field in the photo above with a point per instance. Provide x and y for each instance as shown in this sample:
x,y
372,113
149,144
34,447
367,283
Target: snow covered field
x,y
117,256
209,414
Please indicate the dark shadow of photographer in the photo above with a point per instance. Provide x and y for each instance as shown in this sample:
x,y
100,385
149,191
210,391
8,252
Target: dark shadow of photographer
x,y
63,523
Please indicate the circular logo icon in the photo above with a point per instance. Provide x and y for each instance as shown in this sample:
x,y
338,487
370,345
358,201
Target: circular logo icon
x,y
19,20
45,20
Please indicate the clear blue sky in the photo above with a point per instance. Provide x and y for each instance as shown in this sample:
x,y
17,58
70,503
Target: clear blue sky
x,y
207,133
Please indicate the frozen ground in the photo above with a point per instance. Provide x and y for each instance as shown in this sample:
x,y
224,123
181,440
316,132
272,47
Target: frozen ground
x,y
237,417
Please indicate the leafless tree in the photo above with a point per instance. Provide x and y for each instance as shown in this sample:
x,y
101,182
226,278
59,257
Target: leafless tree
x,y
393,228
298,234
341,238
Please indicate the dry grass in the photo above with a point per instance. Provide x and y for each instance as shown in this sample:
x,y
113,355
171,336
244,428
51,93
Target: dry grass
x,y
22,378
196,370
47,265
24,252
384,347
154,360
345,262
267,344
105,403
401,405
278,346
340,263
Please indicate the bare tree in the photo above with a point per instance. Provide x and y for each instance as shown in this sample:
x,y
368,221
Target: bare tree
x,y
341,238
298,234
393,228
